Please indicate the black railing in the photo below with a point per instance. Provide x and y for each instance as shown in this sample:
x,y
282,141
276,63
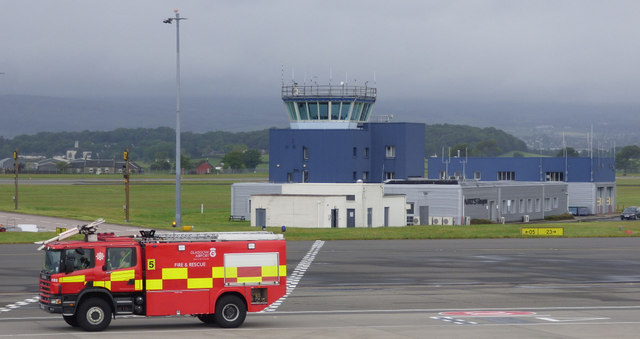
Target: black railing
x,y
331,91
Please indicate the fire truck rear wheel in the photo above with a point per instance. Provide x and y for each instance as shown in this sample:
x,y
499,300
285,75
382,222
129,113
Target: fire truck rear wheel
x,y
207,318
71,320
94,315
230,311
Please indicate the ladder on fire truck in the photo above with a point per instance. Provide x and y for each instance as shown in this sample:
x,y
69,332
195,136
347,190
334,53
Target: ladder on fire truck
x,y
87,230
152,236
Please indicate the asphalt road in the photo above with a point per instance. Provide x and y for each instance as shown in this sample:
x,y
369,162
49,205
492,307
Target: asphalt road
x,y
526,288
9,219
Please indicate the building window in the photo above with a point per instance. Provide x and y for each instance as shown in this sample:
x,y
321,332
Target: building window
x,y
351,197
305,176
410,210
366,152
555,202
355,152
365,176
389,175
554,176
289,177
443,175
305,153
538,205
292,111
390,151
529,205
355,175
547,204
521,205
506,175
477,175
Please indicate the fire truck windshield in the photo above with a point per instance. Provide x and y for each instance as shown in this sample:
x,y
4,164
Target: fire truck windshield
x,y
52,259
55,261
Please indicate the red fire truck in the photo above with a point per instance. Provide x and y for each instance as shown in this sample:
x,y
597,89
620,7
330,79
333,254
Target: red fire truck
x,y
217,277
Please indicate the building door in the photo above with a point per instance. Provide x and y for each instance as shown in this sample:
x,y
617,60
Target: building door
x,y
386,217
492,210
334,218
261,217
369,217
351,217
424,215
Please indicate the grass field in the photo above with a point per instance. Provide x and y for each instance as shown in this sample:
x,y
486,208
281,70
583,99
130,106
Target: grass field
x,y
153,206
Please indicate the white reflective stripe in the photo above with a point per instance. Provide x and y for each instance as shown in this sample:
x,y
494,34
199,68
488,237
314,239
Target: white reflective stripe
x,y
251,259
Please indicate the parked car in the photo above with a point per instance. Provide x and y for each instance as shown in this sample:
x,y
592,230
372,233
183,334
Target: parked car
x,y
630,213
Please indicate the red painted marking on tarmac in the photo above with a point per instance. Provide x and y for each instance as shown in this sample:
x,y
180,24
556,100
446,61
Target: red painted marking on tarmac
x,y
487,313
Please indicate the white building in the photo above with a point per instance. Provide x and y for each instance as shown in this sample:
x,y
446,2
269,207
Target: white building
x,y
328,205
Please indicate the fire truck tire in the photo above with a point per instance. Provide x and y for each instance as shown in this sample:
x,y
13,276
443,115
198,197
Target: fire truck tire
x,y
71,320
94,315
207,318
230,311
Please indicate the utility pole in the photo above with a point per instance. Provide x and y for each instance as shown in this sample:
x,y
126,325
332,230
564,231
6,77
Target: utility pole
x,y
177,18
15,171
125,156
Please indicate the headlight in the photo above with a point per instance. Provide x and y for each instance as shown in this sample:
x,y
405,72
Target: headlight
x,y
55,301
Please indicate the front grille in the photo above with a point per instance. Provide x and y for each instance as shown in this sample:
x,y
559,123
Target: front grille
x,y
45,286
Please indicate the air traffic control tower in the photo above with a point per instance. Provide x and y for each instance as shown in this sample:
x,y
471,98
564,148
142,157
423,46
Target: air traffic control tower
x,y
328,107
331,139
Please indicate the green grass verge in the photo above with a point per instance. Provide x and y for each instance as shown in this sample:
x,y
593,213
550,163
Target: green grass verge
x,y
153,206
494,231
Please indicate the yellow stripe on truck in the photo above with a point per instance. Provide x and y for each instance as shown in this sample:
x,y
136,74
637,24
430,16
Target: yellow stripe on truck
x,y
123,275
175,273
72,279
154,284
200,283
269,271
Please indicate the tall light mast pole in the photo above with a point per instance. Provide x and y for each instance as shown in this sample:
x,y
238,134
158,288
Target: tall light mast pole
x,y
177,18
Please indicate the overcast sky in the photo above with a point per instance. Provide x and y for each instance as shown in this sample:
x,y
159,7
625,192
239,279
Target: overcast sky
x,y
582,51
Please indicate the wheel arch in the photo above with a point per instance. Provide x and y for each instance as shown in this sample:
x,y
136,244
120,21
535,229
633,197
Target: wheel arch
x,y
101,293
236,293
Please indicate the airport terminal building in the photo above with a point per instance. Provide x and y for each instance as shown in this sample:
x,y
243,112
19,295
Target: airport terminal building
x,y
591,182
333,150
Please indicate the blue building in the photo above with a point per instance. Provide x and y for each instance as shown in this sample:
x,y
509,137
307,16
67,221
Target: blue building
x,y
591,181
331,139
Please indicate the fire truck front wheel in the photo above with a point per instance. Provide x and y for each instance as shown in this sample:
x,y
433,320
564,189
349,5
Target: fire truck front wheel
x,y
230,311
71,320
94,315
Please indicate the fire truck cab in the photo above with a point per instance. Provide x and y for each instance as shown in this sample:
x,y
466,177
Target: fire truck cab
x,y
217,277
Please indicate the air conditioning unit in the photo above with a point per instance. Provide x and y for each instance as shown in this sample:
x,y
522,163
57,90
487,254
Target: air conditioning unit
x,y
467,220
525,218
447,220
416,220
502,220
436,221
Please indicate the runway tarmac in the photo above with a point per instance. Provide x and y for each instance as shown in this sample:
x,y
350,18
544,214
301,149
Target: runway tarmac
x,y
525,288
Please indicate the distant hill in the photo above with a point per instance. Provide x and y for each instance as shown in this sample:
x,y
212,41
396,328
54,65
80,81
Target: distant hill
x,y
148,144
538,124
472,141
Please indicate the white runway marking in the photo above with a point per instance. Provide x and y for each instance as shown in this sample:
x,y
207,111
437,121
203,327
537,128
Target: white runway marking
x,y
18,304
298,273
